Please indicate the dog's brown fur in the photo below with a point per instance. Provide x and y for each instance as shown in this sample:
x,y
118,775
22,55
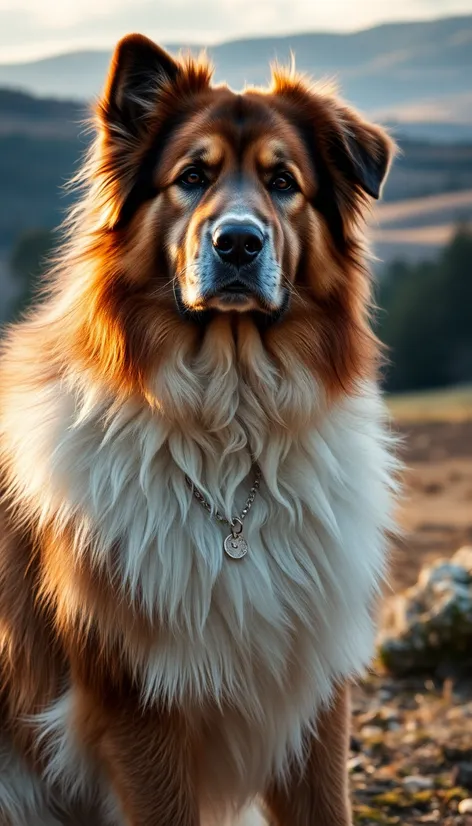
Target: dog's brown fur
x,y
62,619
322,787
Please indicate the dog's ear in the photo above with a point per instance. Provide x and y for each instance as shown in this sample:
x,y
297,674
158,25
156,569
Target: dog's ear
x,y
138,70
350,156
363,151
145,95
354,157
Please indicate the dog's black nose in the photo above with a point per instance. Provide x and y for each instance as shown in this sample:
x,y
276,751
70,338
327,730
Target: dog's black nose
x,y
238,244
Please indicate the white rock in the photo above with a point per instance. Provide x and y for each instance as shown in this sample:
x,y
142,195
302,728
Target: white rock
x,y
465,806
417,783
443,572
385,694
430,625
390,714
355,763
371,731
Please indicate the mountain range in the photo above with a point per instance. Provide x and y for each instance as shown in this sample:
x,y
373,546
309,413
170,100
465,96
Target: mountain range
x,y
416,76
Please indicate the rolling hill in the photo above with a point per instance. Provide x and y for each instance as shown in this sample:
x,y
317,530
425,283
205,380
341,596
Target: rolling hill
x,y
417,228
416,75
41,142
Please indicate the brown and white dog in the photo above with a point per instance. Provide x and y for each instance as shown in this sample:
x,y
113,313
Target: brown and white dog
x,y
209,313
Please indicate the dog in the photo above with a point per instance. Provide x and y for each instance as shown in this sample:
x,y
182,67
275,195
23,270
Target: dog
x,y
197,474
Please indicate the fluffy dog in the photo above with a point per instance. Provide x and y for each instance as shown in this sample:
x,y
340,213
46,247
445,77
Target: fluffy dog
x,y
196,470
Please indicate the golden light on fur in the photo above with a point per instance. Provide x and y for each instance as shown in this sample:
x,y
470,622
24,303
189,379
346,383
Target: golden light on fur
x,y
209,308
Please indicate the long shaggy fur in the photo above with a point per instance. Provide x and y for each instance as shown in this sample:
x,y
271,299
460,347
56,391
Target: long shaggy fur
x,y
108,398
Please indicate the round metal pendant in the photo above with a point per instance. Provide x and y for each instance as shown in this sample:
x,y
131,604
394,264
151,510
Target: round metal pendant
x,y
235,546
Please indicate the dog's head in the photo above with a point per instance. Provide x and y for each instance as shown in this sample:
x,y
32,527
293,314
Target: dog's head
x,y
246,205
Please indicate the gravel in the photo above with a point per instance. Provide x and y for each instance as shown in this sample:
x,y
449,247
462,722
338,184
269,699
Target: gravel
x,y
417,771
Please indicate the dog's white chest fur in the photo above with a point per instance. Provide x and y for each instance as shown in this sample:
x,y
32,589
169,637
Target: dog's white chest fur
x,y
263,638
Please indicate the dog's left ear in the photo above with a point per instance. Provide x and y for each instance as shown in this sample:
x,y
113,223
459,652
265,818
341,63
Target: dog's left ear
x,y
363,151
354,151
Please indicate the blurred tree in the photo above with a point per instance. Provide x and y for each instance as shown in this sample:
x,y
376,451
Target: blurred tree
x,y
28,262
425,318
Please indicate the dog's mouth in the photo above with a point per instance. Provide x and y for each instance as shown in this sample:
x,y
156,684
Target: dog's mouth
x,y
235,288
237,296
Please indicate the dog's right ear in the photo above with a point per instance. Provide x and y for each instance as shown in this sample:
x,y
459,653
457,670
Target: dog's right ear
x,y
146,92
138,71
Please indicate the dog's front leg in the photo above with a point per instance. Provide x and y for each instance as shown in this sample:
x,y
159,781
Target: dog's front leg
x,y
147,758
318,794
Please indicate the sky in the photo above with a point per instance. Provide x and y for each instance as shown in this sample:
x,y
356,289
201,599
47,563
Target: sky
x,y
35,28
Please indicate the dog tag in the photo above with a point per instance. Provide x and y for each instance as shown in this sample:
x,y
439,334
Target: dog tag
x,y
235,545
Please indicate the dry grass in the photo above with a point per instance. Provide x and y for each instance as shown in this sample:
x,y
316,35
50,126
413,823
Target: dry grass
x,y
452,404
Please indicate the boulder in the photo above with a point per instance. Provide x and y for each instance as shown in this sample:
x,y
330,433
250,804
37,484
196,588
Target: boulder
x,y
428,628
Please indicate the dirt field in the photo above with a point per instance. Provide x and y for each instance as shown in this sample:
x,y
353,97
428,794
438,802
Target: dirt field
x,y
436,512
420,728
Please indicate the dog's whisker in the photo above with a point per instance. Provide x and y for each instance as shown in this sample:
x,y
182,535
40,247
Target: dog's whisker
x,y
290,286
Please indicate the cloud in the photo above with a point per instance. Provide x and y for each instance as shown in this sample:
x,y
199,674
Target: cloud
x,y
15,25
229,18
89,23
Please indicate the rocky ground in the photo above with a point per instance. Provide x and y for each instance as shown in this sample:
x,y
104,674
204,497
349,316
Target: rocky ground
x,y
411,752
411,755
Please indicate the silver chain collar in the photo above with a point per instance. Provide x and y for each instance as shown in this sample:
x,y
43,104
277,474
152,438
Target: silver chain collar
x,y
235,545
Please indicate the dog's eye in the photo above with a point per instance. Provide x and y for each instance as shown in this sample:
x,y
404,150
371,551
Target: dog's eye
x,y
193,177
283,182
